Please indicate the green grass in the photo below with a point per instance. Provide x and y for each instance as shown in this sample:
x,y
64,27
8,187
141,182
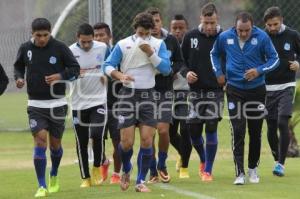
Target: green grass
x,y
17,176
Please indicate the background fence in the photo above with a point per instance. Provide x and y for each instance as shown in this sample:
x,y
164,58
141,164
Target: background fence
x,y
16,17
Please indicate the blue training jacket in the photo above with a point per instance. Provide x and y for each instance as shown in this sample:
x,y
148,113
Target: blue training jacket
x,y
258,52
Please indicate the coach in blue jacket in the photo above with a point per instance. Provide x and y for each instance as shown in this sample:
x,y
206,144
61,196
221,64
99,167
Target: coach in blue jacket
x,y
249,54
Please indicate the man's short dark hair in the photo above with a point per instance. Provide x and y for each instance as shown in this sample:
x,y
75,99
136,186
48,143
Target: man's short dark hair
x,y
40,24
208,10
85,29
180,17
244,17
153,11
102,25
272,12
144,20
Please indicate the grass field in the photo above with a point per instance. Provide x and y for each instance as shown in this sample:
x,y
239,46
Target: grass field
x,y
17,176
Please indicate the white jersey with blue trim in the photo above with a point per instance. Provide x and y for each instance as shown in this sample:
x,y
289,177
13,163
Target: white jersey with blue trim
x,y
89,90
136,63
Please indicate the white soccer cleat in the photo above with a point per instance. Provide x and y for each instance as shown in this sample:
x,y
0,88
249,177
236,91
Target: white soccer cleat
x,y
253,176
240,180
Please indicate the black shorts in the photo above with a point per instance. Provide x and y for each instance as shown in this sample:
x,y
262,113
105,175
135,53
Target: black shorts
x,y
136,106
164,102
180,105
205,105
112,125
94,118
249,103
50,119
280,103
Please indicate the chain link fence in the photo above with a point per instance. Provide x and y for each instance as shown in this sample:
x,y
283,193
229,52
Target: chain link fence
x,y
15,19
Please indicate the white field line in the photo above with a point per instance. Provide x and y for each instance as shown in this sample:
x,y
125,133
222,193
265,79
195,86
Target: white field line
x,y
183,191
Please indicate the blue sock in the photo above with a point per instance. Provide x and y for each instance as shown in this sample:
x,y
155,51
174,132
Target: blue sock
x,y
162,156
197,143
56,156
143,161
211,150
153,164
40,163
125,158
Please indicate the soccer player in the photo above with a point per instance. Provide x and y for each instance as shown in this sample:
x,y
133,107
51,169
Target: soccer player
x,y
178,27
89,102
182,141
207,97
46,62
164,99
139,56
250,54
281,85
3,80
102,33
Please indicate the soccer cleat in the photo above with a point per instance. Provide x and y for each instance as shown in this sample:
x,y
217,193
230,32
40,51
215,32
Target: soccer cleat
x,y
207,177
253,175
278,170
41,192
201,168
115,179
125,181
178,163
96,179
153,180
240,180
164,176
104,170
53,184
184,173
142,188
86,183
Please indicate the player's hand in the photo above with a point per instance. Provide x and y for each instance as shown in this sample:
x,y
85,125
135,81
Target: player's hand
x,y
294,65
221,80
103,80
126,79
175,76
20,83
51,78
146,48
251,74
191,77
82,73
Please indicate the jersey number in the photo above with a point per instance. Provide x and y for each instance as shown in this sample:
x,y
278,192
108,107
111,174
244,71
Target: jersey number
x,y
194,42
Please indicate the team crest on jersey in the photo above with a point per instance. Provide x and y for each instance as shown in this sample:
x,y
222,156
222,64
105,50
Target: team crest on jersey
x,y
192,114
52,60
254,41
231,106
101,111
287,46
75,120
121,119
230,41
32,123
99,57
261,107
